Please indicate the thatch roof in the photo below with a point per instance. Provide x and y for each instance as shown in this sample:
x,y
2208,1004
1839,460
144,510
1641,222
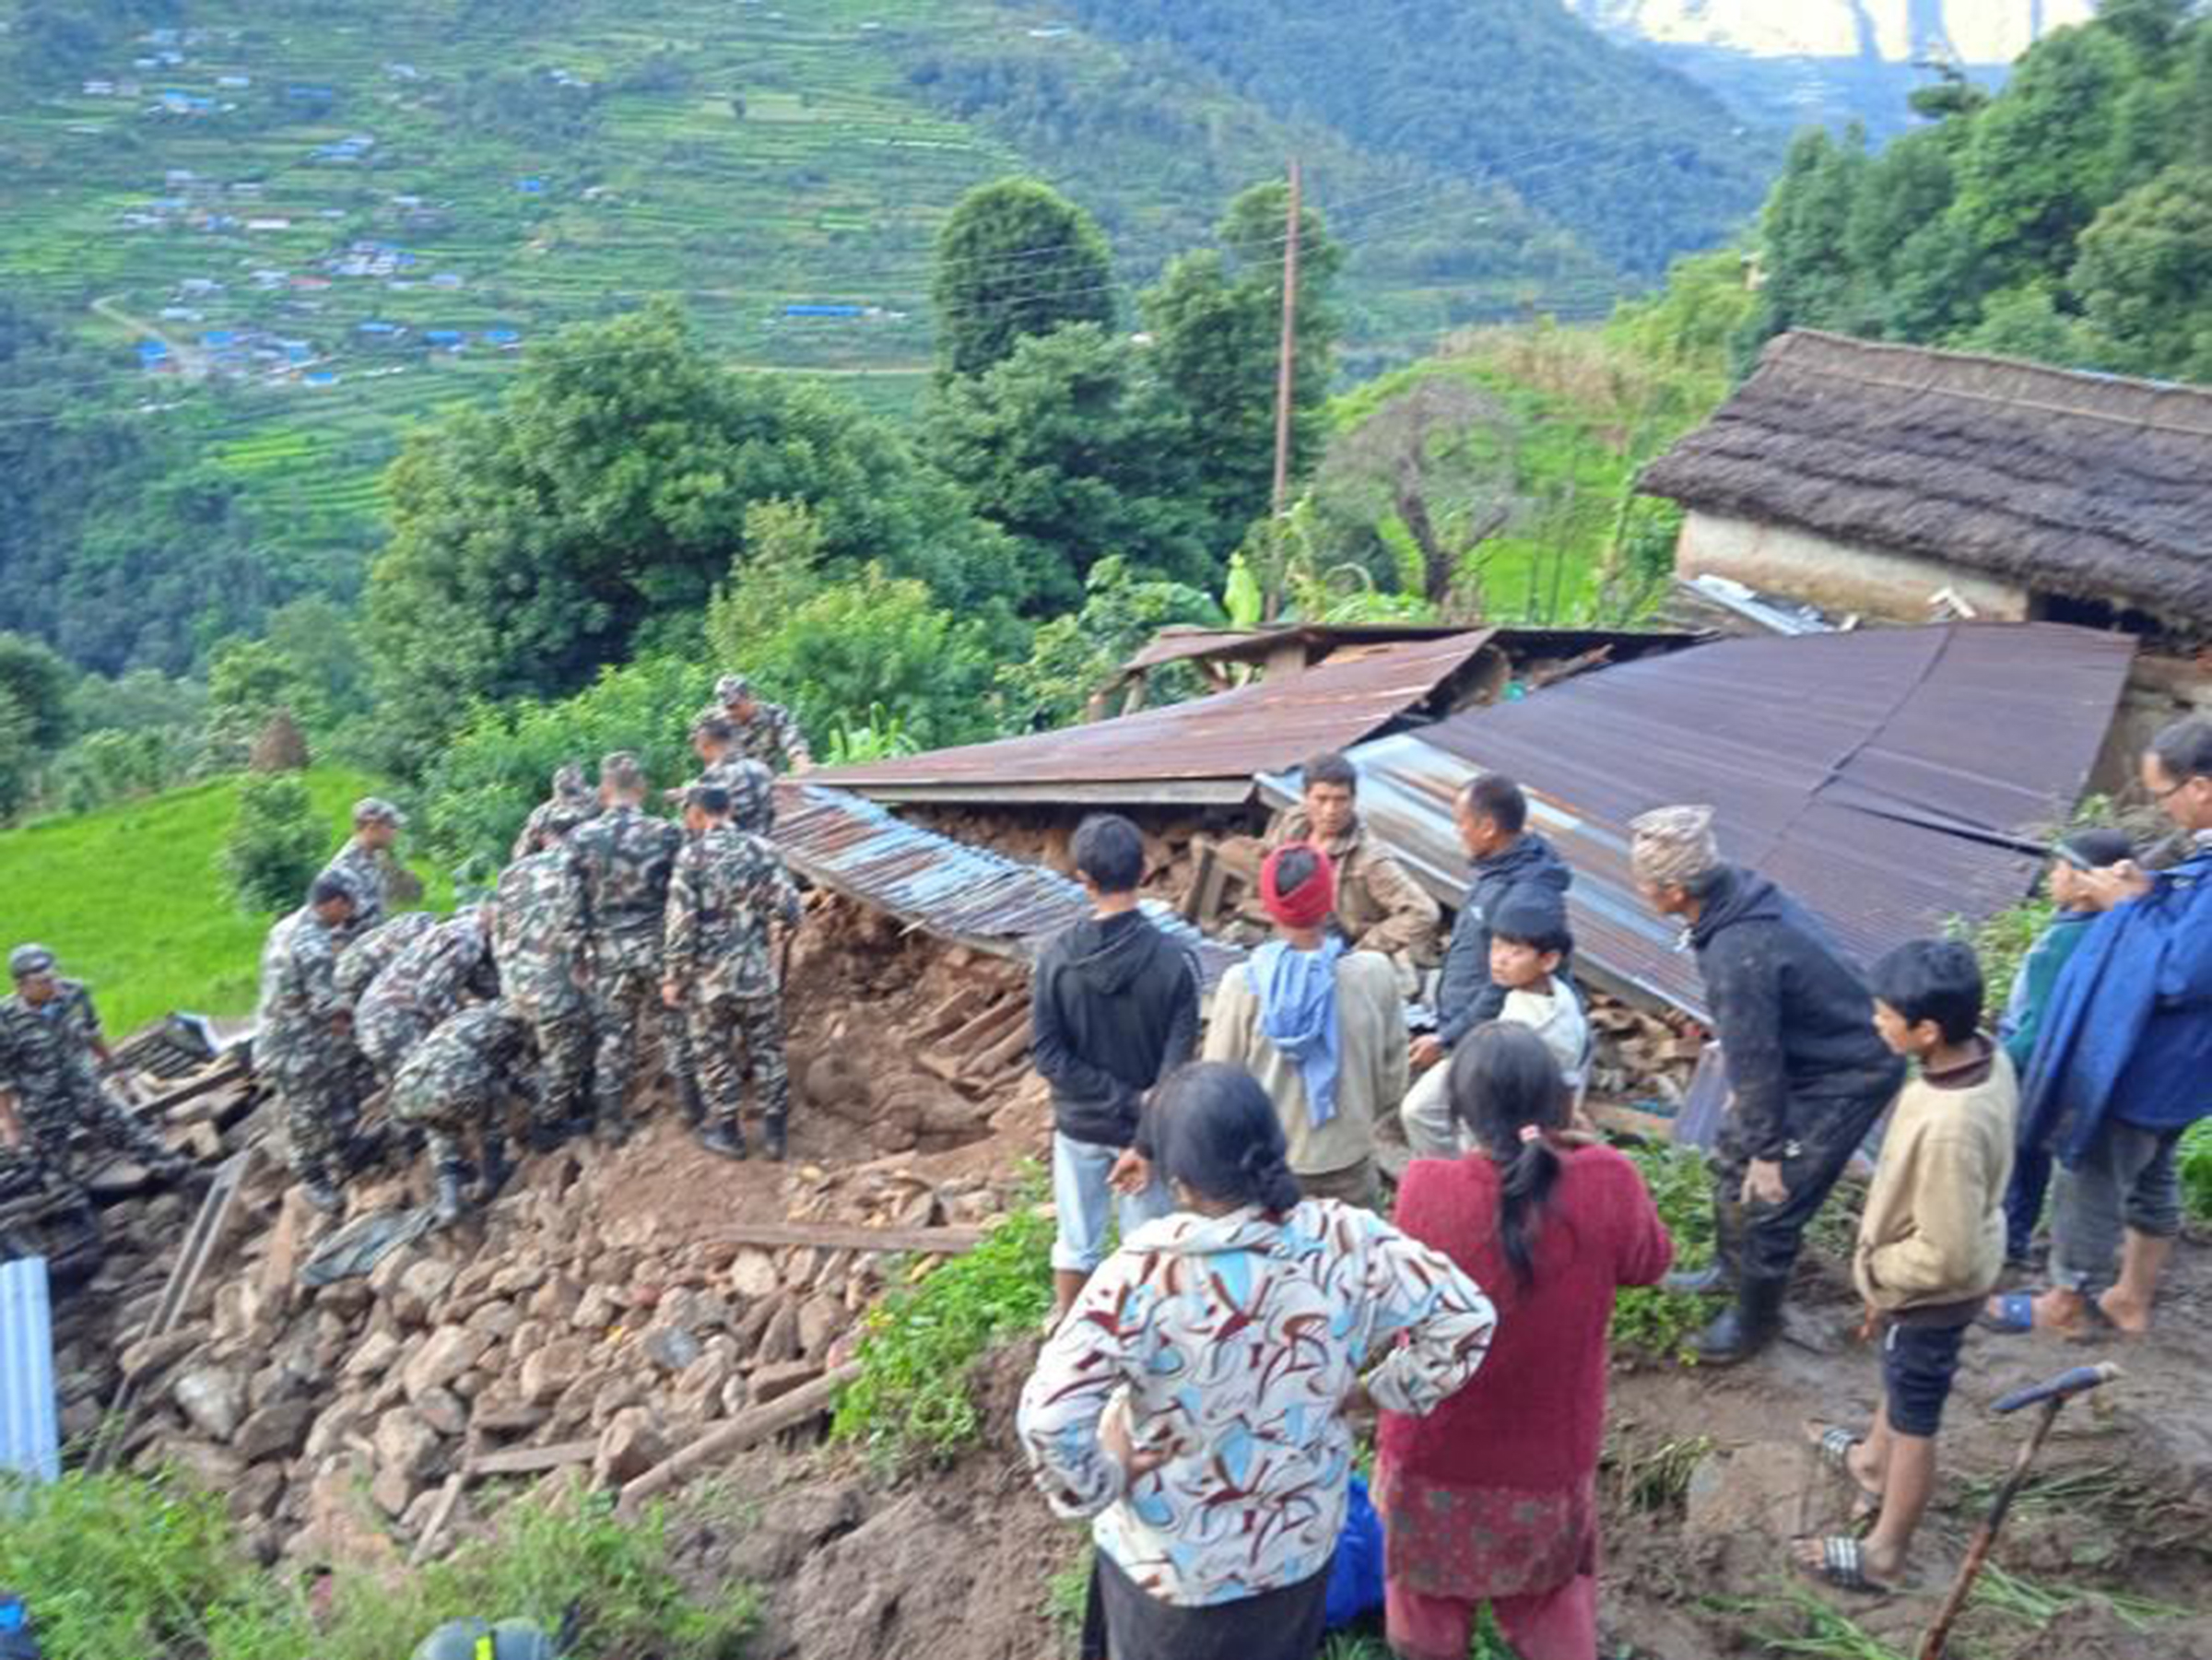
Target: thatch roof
x,y
2089,485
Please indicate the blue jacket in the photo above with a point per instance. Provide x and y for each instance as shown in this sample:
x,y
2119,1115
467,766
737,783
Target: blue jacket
x,y
2129,1030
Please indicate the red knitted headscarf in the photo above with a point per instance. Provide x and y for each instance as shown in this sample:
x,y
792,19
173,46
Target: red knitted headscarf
x,y
1307,907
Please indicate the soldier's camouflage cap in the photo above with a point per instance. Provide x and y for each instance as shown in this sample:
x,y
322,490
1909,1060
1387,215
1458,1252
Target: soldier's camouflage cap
x,y
621,772
730,687
26,960
375,809
568,780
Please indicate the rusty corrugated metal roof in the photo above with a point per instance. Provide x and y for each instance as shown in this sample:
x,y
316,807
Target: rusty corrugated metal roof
x,y
1253,645
968,894
1891,778
1207,750
29,1430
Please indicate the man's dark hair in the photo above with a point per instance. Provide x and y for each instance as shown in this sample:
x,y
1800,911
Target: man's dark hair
x,y
1551,937
2101,846
716,729
709,798
1937,979
2184,750
1111,852
1331,768
324,889
1495,796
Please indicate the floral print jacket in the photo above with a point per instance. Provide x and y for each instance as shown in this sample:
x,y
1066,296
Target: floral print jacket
x,y
1232,1343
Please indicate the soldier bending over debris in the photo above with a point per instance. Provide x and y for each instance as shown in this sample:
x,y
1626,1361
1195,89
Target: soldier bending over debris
x,y
456,1081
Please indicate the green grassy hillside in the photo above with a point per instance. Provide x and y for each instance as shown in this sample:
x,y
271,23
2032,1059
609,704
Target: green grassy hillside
x,y
131,900
335,223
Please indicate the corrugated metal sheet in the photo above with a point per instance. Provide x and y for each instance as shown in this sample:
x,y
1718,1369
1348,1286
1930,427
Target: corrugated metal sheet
x,y
29,1429
1209,750
1891,778
971,895
1253,645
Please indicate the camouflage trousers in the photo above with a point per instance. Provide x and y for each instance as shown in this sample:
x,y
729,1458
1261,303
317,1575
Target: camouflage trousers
x,y
73,1132
448,1122
320,1109
562,1029
625,1005
735,1040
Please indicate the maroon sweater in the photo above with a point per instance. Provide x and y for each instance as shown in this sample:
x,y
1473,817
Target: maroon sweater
x,y
1535,1414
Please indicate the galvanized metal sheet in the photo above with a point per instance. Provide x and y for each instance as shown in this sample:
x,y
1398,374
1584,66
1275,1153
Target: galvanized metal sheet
x,y
1233,735
968,894
1892,779
30,1440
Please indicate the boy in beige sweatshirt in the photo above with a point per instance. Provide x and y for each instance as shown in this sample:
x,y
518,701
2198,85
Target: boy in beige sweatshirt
x,y
1931,1244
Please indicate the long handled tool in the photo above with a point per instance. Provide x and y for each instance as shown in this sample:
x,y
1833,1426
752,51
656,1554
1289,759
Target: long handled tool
x,y
2051,1395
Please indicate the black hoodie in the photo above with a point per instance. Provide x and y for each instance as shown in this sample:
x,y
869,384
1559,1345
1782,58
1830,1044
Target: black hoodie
x,y
1114,1007
1465,994
1793,1016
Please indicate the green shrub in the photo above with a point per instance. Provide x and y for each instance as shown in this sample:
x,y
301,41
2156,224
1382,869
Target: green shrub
x,y
912,1400
2196,1171
276,844
1649,1324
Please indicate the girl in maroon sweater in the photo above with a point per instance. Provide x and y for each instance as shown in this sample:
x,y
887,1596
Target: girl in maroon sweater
x,y
1493,1496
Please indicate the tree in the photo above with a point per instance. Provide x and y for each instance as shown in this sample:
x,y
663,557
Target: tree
x,y
2041,160
1015,258
1215,319
248,682
2145,275
39,683
275,844
1074,655
1072,448
538,541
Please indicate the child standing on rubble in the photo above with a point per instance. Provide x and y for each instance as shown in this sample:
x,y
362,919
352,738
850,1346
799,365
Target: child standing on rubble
x,y
1931,1246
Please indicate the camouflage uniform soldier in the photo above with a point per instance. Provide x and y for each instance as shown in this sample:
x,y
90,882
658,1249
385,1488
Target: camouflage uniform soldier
x,y
727,889
751,786
621,860
456,1081
371,953
302,1045
570,804
424,983
762,732
50,1097
537,944
362,863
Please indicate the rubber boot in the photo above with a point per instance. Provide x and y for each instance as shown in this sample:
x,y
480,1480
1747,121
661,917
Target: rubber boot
x,y
1727,1265
1747,1324
771,1135
322,1192
723,1140
688,1092
451,1202
498,1168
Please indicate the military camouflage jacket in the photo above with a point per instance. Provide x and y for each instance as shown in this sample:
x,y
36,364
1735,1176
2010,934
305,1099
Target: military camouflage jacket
x,y
772,734
424,984
46,1052
561,814
299,998
372,953
538,930
621,860
752,792
462,1064
727,887
364,872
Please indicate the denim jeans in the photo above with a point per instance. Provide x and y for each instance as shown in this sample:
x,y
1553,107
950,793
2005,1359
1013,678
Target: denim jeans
x,y
1081,1198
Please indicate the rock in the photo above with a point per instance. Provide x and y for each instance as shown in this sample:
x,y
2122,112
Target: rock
x,y
530,1336
697,1312
736,1394
704,1378
148,1356
496,1319
385,1277
420,1296
555,1301
753,1274
632,1443
407,1443
553,1369
791,1529
671,1348
209,1467
213,1397
781,1341
277,1431
595,1311
450,1351
615,1396
392,1492
822,1317
754,1323
443,1410
780,1378
254,1494
496,1415
79,1419
519,1278
339,1422
373,1356
1753,1491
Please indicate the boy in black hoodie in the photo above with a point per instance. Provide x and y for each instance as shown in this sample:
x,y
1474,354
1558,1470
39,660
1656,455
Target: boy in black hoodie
x,y
1807,1073
1113,1008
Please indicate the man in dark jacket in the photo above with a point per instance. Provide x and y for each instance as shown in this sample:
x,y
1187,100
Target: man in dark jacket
x,y
1113,1008
1807,1073
1491,815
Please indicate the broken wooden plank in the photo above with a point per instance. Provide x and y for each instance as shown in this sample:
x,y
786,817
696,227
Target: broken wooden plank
x,y
532,1461
844,1236
448,1497
748,1427
1008,1050
228,1070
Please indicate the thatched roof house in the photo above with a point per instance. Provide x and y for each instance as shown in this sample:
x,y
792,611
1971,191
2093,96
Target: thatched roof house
x,y
1891,479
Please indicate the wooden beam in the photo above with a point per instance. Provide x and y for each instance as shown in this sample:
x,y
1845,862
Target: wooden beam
x,y
531,1461
448,1497
748,1427
843,1236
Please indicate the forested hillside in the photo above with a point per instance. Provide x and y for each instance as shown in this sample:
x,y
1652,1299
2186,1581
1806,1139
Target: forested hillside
x,y
2068,218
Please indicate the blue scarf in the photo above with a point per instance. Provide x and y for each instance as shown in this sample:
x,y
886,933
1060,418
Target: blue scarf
x,y
1298,1012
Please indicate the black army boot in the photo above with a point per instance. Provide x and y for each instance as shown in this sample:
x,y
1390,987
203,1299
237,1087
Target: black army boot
x,y
451,1202
322,1192
724,1140
1747,1326
497,1167
688,1092
1727,1265
771,1134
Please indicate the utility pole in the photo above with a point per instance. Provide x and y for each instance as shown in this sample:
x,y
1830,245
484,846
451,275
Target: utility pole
x,y
1286,370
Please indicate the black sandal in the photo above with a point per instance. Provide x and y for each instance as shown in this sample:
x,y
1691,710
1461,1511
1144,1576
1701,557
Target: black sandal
x,y
1842,1565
